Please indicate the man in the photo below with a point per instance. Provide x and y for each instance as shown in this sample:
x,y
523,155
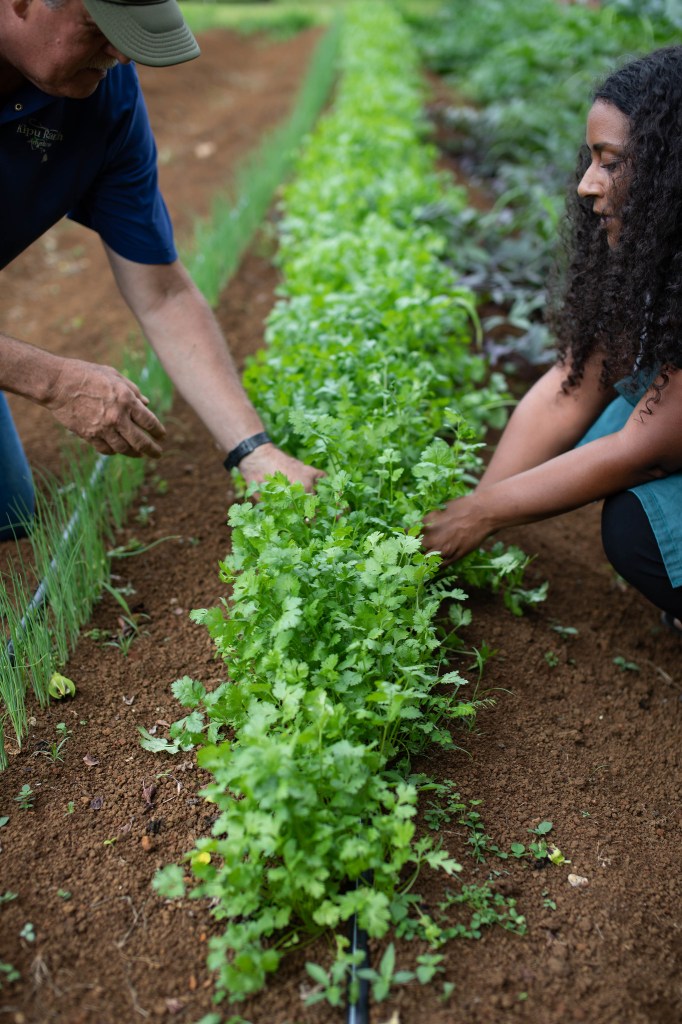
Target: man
x,y
75,140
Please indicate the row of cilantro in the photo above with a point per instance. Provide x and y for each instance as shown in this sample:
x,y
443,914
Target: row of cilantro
x,y
335,665
523,72
72,536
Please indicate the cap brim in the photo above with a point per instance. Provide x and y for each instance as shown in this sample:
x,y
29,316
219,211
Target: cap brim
x,y
149,33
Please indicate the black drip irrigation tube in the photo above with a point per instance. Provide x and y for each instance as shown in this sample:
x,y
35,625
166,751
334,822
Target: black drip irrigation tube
x,y
358,1012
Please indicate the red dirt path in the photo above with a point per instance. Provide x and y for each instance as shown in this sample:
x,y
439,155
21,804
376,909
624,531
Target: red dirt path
x,y
582,742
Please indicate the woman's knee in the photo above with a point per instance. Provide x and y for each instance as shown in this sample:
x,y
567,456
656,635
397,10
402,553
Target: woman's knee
x,y
632,549
625,531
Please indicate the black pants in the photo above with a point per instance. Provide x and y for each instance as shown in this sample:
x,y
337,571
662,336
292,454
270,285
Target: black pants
x,y
632,550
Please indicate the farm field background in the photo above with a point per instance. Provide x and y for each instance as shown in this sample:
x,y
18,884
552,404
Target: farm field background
x,y
575,737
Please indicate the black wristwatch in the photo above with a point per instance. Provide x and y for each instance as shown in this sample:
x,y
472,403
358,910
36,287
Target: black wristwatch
x,y
245,448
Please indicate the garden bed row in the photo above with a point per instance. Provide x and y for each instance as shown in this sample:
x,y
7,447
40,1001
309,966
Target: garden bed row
x,y
337,675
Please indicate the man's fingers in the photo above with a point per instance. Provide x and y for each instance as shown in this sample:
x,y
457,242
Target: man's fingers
x,y
130,439
146,419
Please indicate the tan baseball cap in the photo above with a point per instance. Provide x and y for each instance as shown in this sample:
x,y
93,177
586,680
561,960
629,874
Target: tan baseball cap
x,y
150,32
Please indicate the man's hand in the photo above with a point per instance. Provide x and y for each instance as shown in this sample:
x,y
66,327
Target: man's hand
x,y
268,459
105,409
456,530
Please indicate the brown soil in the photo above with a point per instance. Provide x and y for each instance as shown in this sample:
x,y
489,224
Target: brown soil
x,y
573,738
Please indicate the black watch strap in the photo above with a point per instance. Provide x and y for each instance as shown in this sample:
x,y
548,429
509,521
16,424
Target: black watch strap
x,y
245,448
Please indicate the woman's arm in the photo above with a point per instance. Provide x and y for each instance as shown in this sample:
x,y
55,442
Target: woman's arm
x,y
547,422
648,447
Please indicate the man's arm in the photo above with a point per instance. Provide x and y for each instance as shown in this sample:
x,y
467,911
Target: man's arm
x,y
185,335
95,402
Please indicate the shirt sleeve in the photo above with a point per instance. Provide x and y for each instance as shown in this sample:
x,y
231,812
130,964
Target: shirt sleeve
x,y
124,204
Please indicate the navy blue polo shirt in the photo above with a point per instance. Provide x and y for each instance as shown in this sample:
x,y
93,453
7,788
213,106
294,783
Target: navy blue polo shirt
x,y
92,159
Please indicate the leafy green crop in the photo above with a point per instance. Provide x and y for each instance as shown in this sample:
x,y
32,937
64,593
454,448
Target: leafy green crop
x,y
336,674
522,73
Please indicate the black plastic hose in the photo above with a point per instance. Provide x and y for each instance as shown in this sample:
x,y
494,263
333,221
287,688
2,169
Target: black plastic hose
x,y
358,1012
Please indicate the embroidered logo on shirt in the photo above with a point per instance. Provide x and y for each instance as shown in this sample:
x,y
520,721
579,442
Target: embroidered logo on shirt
x,y
39,137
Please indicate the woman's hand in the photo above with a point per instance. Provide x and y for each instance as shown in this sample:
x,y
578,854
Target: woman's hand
x,y
459,528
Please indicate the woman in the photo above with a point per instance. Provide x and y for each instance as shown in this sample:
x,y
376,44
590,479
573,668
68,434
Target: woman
x,y
606,420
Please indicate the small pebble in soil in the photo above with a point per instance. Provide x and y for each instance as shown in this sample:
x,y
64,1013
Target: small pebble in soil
x,y
578,881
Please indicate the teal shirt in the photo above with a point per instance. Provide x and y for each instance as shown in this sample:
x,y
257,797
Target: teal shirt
x,y
661,499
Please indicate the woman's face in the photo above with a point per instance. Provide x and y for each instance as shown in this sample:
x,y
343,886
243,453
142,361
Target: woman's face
x,y
603,181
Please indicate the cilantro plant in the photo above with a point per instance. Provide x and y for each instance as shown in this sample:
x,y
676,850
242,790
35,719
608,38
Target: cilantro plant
x,y
336,675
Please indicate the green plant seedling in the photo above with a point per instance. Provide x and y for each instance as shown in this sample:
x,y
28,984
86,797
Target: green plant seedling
x,y
70,807
60,686
8,974
487,909
7,897
478,839
25,797
144,514
438,814
625,665
539,848
447,991
565,631
129,621
54,751
383,979
97,635
28,932
331,985
481,655
3,820
64,894
552,659
547,902
428,966
160,484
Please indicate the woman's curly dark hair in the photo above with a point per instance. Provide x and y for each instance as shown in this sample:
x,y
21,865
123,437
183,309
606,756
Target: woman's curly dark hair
x,y
626,302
